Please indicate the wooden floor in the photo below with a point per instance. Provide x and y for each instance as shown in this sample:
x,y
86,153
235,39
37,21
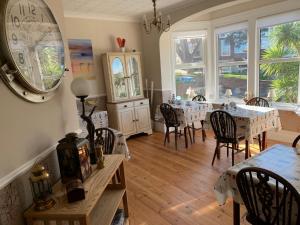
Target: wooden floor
x,y
176,187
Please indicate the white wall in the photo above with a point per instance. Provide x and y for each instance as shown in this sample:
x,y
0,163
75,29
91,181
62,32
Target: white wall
x,y
28,129
103,35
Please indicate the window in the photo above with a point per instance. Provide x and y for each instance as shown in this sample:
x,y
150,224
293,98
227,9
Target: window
x,y
189,65
232,54
279,59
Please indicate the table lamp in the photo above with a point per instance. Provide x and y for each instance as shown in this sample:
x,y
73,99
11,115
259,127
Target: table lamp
x,y
228,94
271,94
80,89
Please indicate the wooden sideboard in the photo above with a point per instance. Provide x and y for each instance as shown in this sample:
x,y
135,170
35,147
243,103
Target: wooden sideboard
x,y
102,199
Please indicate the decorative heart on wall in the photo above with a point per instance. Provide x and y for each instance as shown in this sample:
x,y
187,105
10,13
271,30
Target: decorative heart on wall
x,y
121,42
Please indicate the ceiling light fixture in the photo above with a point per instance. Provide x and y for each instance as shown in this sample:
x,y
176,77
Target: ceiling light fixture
x,y
156,22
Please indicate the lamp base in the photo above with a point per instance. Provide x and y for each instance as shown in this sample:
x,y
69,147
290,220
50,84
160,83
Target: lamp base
x,y
42,205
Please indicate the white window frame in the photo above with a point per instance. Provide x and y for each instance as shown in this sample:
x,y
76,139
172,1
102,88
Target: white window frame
x,y
202,65
268,22
226,29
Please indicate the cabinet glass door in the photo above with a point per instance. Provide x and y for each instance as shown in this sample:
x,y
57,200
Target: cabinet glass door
x,y
133,67
119,78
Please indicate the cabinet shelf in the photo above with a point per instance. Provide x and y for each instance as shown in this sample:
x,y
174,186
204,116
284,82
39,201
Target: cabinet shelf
x,y
107,206
101,199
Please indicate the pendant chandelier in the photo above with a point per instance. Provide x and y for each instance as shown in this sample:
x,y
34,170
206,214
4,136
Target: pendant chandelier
x,y
157,21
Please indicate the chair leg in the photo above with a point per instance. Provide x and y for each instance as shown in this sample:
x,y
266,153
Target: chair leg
x,y
192,140
232,154
203,131
216,152
194,132
227,149
176,136
259,142
166,136
246,149
185,137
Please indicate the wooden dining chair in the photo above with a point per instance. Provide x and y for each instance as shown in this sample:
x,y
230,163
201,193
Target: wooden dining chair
x,y
171,121
258,101
199,98
295,142
106,138
269,198
225,131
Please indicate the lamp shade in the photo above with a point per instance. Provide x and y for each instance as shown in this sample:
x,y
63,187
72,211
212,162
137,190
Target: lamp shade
x,y
228,92
80,87
271,93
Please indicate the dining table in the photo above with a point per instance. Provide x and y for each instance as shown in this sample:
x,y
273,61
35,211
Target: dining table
x,y
252,121
188,112
280,159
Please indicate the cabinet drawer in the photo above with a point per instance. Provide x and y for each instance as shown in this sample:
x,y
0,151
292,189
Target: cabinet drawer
x,y
125,105
141,102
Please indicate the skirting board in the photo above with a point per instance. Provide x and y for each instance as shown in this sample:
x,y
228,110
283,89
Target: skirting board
x,y
7,179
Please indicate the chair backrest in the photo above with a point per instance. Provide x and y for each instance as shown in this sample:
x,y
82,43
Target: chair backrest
x,y
106,138
224,126
295,142
199,98
169,114
269,198
257,101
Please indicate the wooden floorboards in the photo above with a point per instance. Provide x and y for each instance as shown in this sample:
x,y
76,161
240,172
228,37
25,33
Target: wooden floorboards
x,y
168,187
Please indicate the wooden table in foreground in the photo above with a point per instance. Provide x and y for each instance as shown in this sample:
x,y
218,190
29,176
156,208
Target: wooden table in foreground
x,y
102,199
280,159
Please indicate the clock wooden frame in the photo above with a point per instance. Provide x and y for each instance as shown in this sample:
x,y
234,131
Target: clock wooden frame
x,y
10,72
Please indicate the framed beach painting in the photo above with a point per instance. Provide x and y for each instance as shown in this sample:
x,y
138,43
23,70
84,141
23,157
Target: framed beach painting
x,y
82,60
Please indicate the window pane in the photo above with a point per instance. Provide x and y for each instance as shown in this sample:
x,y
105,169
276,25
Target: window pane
x,y
280,41
232,46
283,78
234,78
190,82
189,50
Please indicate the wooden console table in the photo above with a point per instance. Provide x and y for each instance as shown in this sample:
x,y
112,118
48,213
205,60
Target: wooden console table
x,y
102,199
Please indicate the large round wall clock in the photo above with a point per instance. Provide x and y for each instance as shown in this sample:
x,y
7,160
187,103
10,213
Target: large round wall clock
x,y
31,49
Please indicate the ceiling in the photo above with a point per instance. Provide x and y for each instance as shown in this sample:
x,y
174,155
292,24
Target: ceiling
x,y
130,10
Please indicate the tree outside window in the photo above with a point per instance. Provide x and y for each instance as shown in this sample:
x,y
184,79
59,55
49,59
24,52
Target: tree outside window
x,y
279,61
189,66
232,69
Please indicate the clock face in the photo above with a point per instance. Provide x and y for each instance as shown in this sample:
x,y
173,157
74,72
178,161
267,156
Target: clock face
x,y
35,43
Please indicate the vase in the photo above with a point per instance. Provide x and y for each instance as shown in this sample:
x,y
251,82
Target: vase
x,y
122,49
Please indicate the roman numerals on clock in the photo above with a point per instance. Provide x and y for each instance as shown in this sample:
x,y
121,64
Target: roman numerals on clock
x,y
30,9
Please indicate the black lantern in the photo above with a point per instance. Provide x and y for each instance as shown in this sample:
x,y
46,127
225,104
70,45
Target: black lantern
x,y
73,158
41,188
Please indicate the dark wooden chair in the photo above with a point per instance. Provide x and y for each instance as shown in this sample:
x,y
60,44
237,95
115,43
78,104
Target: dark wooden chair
x,y
106,138
295,142
199,98
225,130
171,121
257,101
269,198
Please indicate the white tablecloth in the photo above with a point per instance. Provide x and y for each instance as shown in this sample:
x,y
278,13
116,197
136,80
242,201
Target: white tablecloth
x,y
187,112
100,119
253,120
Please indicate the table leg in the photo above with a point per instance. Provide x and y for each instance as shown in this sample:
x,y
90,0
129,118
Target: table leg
x,y
236,213
264,143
